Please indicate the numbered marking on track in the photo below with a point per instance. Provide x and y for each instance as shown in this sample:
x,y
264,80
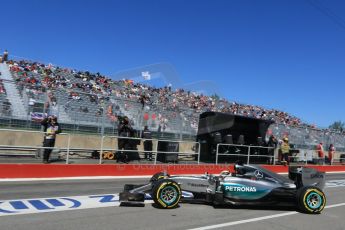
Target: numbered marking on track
x,y
56,204
41,205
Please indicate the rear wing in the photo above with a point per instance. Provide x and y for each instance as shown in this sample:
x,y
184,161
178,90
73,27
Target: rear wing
x,y
303,176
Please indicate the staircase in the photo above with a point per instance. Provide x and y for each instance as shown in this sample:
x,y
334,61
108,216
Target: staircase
x,y
18,108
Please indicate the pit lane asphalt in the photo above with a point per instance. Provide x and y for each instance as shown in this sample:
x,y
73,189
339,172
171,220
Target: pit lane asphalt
x,y
187,216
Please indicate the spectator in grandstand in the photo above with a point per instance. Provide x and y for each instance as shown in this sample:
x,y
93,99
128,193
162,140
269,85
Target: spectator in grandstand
x,y
320,153
83,109
143,99
146,134
51,127
331,152
52,99
99,112
284,151
93,98
5,56
74,96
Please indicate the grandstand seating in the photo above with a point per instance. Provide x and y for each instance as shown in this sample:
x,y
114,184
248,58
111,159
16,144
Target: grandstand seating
x,y
90,99
13,96
5,105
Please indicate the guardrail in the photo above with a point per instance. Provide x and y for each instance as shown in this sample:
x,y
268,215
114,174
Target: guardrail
x,y
248,155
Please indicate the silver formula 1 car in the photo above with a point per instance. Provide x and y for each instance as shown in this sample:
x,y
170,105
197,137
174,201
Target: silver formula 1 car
x,y
247,185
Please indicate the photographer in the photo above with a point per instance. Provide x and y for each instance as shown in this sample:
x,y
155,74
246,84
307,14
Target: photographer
x,y
51,127
124,130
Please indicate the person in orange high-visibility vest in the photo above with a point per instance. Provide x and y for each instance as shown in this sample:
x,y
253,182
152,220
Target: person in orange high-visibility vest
x,y
320,153
331,152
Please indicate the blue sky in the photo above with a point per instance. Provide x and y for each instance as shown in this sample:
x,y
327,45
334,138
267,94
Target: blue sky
x,y
284,54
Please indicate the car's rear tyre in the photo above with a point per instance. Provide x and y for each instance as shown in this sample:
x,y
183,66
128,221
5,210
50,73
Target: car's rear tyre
x,y
158,176
311,200
166,193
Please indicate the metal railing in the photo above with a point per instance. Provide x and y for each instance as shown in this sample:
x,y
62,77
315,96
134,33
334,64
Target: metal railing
x,y
155,151
340,160
248,153
36,147
304,155
196,144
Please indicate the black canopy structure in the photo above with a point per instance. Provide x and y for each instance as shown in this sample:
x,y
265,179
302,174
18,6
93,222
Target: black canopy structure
x,y
216,127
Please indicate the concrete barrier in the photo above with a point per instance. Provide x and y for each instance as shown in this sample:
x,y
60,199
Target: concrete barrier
x,y
78,141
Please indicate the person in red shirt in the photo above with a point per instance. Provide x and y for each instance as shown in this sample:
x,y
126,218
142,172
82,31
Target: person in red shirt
x,y
321,155
331,151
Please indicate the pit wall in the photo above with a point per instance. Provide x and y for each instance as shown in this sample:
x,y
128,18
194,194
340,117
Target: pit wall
x,y
35,139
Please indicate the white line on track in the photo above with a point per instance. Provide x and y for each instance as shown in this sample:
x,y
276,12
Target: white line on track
x,y
336,172
256,219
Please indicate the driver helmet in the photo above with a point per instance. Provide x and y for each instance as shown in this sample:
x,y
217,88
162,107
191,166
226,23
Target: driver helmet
x,y
239,169
225,173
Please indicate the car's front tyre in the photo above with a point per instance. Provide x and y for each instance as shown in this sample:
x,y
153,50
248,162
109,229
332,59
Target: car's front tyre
x,y
159,176
166,193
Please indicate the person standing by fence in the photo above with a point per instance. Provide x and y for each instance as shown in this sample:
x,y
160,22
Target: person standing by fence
x,y
331,152
273,143
51,127
320,153
285,149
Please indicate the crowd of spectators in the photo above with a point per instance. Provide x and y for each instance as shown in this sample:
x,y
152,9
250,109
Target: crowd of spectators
x,y
169,103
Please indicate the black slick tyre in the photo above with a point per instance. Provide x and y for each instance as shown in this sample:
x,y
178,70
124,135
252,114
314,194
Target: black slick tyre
x,y
166,194
311,200
158,176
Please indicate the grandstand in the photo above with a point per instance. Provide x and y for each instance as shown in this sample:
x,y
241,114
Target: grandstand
x,y
91,102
